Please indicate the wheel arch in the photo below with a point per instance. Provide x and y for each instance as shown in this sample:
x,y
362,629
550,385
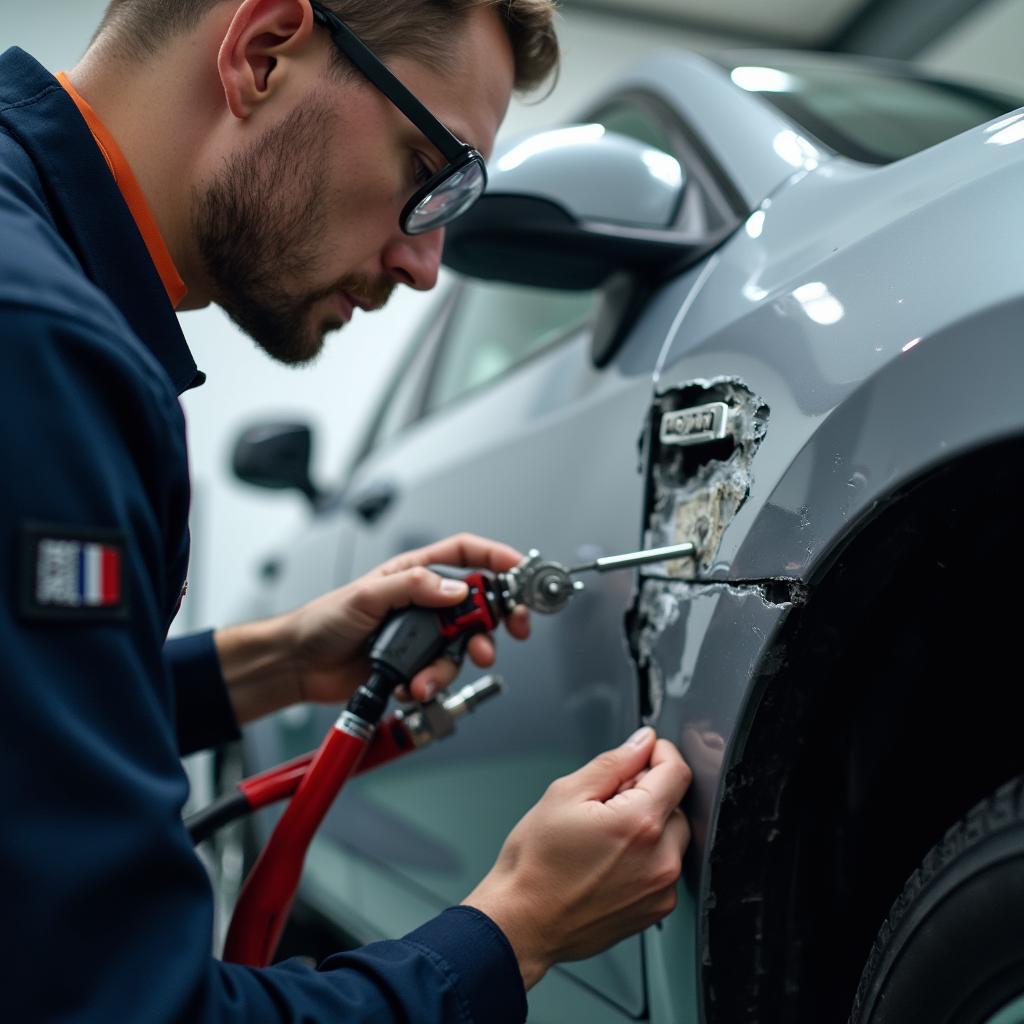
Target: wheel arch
x,y
881,714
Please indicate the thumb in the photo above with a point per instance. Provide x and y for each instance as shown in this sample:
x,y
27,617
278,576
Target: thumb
x,y
379,595
601,778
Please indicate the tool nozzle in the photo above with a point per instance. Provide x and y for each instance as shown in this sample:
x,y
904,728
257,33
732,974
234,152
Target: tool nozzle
x,y
627,561
472,694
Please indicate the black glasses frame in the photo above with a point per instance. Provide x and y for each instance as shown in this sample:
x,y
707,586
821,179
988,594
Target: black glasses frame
x,y
458,154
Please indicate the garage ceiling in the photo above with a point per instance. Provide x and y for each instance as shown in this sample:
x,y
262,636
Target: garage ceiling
x,y
806,22
892,28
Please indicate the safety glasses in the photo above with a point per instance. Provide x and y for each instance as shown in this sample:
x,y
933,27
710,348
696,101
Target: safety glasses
x,y
454,188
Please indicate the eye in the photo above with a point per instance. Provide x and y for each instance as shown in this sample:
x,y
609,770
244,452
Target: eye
x,y
421,170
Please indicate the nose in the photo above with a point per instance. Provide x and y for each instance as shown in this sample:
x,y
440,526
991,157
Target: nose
x,y
414,260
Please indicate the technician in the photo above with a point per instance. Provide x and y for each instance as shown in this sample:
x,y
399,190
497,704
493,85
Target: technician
x,y
228,151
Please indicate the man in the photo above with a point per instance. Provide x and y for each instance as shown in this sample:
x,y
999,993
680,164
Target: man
x,y
228,151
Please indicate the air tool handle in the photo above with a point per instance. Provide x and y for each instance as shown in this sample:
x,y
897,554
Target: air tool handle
x,y
413,638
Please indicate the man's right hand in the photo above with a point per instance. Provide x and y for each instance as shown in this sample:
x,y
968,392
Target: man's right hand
x,y
595,860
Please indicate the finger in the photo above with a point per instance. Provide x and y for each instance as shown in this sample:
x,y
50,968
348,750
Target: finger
x,y
677,831
462,549
631,783
517,622
481,650
375,596
668,779
600,778
429,680
628,784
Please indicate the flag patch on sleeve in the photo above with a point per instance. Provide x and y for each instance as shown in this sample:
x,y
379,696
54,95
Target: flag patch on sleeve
x,y
73,574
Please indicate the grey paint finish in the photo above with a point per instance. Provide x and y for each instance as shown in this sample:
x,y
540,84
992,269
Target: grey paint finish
x,y
593,173
850,284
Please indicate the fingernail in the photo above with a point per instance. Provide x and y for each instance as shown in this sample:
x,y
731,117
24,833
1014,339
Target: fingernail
x,y
640,737
454,588
429,690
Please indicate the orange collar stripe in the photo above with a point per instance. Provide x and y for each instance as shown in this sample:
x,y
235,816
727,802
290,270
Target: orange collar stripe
x,y
137,205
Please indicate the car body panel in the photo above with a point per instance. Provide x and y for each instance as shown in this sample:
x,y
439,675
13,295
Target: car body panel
x,y
886,267
908,370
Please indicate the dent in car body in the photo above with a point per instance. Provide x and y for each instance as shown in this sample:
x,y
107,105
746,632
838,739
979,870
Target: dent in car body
x,y
695,489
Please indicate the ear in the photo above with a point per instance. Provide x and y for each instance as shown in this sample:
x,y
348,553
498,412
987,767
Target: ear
x,y
261,39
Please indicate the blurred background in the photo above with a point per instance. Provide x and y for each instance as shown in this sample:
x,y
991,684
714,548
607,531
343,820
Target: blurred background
x,y
235,526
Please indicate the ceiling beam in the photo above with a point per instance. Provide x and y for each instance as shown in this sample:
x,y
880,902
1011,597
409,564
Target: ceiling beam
x,y
900,29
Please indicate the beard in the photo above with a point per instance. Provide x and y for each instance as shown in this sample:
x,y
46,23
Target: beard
x,y
261,223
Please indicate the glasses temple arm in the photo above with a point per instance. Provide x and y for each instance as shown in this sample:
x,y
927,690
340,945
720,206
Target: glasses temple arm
x,y
371,66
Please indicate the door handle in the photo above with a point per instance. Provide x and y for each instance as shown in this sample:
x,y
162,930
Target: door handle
x,y
373,501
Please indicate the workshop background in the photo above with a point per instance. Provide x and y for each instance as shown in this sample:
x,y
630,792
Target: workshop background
x,y
234,526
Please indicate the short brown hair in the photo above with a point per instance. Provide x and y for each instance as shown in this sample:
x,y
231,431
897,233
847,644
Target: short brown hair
x,y
420,29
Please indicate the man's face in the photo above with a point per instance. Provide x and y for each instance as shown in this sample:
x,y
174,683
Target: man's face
x,y
301,226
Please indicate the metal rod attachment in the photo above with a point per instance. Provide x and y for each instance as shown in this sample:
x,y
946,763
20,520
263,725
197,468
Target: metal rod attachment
x,y
611,562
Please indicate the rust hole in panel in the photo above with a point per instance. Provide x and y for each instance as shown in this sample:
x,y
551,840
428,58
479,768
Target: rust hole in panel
x,y
701,441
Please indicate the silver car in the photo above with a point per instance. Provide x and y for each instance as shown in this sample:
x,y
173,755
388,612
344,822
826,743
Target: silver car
x,y
771,305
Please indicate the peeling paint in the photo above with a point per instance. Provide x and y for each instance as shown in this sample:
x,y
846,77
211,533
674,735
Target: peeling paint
x,y
695,491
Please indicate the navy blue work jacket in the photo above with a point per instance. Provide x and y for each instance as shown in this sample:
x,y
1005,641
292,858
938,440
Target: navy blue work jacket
x,y
107,912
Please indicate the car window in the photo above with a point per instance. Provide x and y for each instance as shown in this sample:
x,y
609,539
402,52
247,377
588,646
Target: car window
x,y
498,326
495,327
869,113
404,397
638,123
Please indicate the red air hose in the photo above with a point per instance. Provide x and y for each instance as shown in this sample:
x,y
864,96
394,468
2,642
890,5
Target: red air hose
x,y
267,895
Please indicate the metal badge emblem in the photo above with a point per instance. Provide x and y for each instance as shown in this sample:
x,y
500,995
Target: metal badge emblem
x,y
696,425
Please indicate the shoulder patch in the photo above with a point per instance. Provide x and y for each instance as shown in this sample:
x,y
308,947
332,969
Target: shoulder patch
x,y
72,574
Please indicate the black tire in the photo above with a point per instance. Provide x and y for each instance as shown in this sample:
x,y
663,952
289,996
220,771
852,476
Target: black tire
x,y
952,948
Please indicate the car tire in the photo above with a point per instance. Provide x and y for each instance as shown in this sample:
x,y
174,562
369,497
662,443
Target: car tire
x,y
952,948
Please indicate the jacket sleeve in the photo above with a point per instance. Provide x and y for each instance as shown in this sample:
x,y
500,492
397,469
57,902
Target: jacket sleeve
x,y
202,709
108,912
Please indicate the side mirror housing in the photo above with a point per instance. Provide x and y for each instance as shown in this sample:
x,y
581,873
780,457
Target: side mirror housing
x,y
276,456
571,207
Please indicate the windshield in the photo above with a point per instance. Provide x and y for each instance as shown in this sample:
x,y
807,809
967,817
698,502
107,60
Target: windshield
x,y
872,113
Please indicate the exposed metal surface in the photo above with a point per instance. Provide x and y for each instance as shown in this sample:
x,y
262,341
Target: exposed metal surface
x,y
355,726
649,556
539,584
696,489
695,425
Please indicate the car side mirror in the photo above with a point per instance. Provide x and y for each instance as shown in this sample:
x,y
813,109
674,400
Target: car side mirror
x,y
276,456
569,208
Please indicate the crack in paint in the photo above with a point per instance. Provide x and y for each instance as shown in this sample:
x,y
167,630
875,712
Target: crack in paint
x,y
669,611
